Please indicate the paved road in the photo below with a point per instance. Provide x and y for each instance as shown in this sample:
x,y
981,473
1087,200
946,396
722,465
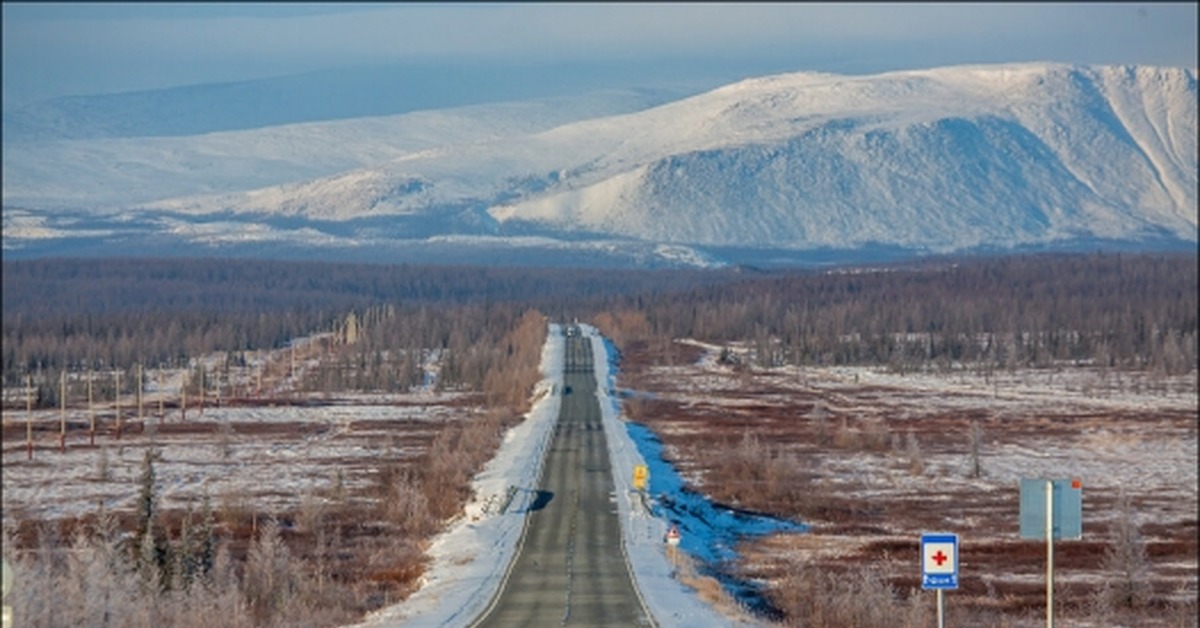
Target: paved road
x,y
570,570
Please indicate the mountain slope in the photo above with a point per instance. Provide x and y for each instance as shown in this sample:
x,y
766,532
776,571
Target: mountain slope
x,y
941,159
112,172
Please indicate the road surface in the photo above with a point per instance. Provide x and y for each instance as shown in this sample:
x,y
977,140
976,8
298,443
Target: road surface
x,y
570,570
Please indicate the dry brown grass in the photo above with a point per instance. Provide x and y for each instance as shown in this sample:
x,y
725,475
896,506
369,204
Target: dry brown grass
x,y
860,462
332,555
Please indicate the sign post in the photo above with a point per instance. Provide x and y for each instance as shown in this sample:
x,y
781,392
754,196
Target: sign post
x,y
8,584
1051,509
939,567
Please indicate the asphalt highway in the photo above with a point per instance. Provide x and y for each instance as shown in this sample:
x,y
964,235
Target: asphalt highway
x,y
570,570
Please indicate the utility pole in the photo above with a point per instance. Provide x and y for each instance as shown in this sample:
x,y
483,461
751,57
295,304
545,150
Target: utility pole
x,y
162,393
139,391
29,417
117,400
91,412
62,415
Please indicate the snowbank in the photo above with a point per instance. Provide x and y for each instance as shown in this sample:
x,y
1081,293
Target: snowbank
x,y
471,559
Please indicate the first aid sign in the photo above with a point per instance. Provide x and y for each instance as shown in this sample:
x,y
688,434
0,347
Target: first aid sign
x,y
939,561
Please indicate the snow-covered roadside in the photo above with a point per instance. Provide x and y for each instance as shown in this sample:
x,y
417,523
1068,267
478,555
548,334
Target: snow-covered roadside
x,y
670,602
470,560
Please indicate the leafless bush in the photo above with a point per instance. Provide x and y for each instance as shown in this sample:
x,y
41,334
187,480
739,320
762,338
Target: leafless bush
x,y
820,417
757,475
916,460
707,588
90,583
269,581
225,436
312,512
976,446
844,437
1127,585
103,468
875,436
408,507
821,599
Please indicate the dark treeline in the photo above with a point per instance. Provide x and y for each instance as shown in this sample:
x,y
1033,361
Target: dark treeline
x,y
114,313
1114,310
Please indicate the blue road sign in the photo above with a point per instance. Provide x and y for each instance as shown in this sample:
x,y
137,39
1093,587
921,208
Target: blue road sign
x,y
939,561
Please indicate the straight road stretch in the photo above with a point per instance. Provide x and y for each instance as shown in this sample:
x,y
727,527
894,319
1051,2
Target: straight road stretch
x,y
570,570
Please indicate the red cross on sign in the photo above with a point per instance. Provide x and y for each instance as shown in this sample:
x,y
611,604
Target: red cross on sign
x,y
939,557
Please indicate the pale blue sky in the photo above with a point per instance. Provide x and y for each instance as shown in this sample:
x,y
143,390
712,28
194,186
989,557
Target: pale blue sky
x,y
52,50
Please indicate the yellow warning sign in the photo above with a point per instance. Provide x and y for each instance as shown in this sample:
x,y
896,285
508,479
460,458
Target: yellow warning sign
x,y
640,474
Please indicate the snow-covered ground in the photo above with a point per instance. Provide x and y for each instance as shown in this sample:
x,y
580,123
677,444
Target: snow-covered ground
x,y
471,558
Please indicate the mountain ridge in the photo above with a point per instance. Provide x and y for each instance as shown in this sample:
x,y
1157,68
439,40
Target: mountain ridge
x,y
973,157
1033,152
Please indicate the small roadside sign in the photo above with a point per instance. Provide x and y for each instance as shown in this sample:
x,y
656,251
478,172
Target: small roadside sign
x,y
939,561
641,473
673,536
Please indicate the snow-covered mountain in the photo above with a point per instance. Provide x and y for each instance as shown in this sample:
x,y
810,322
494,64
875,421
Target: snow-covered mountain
x,y
120,171
948,159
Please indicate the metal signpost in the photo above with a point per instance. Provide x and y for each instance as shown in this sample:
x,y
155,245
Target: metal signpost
x,y
1051,509
939,567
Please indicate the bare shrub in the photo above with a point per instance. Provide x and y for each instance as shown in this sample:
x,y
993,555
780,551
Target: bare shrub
x,y
818,598
103,466
875,436
844,437
976,444
225,436
311,515
754,474
269,580
916,460
820,417
1127,585
90,582
707,588
408,507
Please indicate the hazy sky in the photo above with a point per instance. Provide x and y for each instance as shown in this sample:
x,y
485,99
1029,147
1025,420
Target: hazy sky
x,y
52,50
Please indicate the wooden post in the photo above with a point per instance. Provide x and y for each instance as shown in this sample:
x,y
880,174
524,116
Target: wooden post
x,y
29,418
139,391
162,394
203,384
62,414
183,400
117,400
91,413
